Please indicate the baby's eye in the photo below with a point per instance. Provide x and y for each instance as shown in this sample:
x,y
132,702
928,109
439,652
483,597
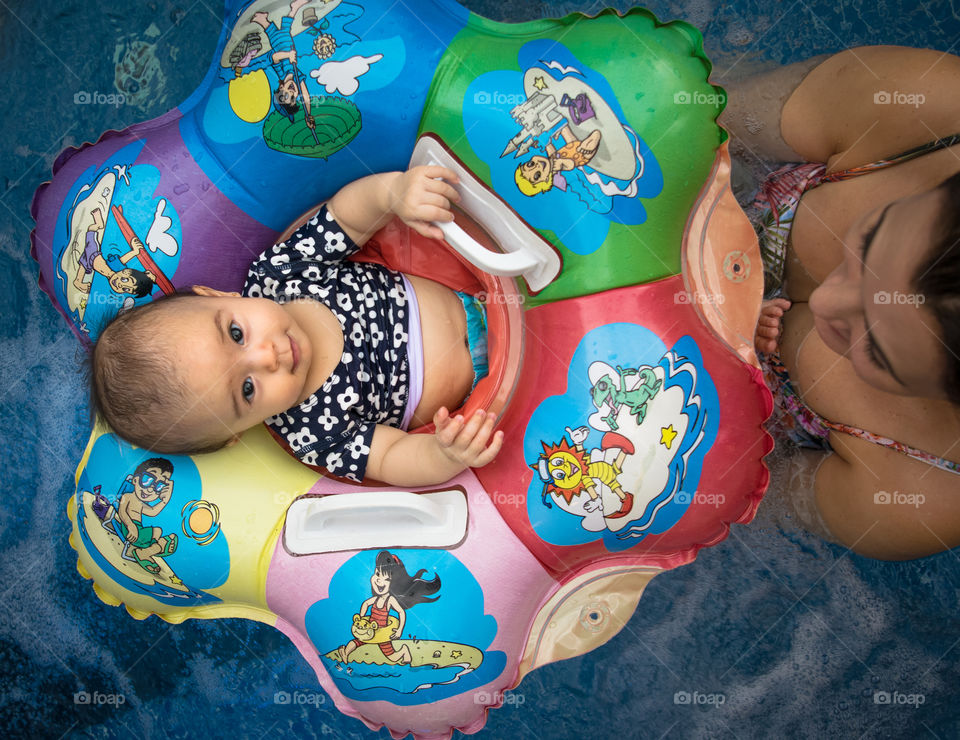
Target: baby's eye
x,y
247,390
236,333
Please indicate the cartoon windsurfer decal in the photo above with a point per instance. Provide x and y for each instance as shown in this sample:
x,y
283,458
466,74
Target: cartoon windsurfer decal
x,y
540,173
560,146
106,262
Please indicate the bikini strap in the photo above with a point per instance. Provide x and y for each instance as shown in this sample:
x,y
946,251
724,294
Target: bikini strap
x,y
917,151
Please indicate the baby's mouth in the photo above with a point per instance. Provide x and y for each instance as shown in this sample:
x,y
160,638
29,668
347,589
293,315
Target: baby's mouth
x,y
295,353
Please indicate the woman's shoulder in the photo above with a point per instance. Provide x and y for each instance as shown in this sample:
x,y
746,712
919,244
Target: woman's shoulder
x,y
884,504
867,103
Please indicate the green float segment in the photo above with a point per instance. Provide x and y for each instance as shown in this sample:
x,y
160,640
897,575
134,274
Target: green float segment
x,y
658,74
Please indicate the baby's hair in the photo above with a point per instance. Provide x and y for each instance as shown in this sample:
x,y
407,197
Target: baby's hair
x,y
134,386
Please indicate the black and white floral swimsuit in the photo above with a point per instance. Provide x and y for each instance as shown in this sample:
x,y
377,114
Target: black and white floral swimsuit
x,y
333,428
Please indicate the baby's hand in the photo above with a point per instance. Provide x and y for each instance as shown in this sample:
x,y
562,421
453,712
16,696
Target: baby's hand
x,y
419,198
465,441
768,328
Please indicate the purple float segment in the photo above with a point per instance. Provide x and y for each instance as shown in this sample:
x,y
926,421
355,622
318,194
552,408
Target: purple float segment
x,y
515,586
219,240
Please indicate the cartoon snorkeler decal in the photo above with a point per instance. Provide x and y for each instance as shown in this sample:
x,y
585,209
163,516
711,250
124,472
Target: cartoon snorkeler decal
x,y
393,590
568,471
636,441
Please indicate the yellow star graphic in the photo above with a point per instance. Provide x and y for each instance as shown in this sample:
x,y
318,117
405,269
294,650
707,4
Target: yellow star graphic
x,y
667,435
539,83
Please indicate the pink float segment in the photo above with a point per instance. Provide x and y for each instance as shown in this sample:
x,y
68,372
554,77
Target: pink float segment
x,y
514,587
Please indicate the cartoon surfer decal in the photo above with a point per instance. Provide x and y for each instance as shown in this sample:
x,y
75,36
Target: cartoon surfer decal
x,y
134,536
280,68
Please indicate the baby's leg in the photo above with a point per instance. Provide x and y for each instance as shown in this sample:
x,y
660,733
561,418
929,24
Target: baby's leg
x,y
769,325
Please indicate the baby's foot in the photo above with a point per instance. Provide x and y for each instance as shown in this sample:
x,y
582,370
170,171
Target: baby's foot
x,y
769,325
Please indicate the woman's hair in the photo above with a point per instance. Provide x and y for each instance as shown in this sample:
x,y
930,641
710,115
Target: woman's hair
x,y
406,589
134,386
938,279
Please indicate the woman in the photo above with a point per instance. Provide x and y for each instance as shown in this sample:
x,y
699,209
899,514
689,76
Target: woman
x,y
871,267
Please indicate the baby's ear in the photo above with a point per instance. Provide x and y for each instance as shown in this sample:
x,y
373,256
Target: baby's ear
x,y
233,440
213,292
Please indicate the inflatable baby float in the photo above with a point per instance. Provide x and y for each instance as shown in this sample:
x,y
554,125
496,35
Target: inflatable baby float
x,y
622,285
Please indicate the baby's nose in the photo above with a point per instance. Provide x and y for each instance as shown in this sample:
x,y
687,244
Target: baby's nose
x,y
264,356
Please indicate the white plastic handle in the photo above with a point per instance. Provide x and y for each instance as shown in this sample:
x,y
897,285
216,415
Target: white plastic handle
x,y
525,252
375,519
496,263
330,512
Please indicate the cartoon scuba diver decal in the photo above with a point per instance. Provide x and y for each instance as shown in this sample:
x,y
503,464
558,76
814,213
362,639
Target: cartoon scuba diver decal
x,y
653,417
277,52
132,537
108,257
562,147
415,637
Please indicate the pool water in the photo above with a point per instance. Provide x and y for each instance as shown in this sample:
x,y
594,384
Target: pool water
x,y
772,633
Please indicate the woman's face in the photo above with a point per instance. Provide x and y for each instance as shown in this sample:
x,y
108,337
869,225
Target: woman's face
x,y
868,310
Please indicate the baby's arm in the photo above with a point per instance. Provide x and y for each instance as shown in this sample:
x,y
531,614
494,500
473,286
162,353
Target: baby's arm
x,y
403,459
768,328
416,196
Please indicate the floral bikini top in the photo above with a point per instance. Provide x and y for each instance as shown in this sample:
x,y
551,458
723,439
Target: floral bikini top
x,y
773,212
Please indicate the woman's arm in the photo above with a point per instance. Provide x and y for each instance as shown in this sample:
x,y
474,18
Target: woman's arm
x,y
418,196
885,505
847,109
754,106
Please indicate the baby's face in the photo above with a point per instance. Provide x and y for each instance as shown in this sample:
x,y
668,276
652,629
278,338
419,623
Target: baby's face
x,y
242,360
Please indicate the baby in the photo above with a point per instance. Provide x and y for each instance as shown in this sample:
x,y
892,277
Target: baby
x,y
337,357
767,338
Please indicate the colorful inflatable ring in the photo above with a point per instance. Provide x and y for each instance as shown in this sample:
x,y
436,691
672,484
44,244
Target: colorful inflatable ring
x,y
621,316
